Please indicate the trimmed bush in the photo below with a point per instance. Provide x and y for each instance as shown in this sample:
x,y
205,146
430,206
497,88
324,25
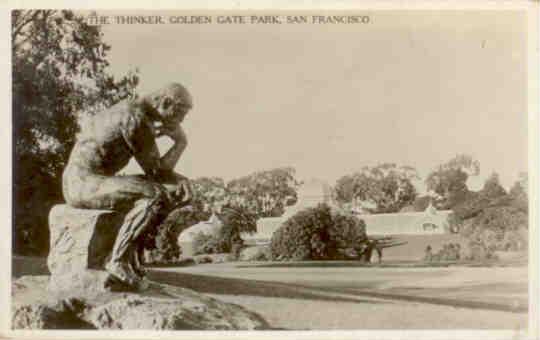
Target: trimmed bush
x,y
255,253
317,233
500,229
208,244
448,252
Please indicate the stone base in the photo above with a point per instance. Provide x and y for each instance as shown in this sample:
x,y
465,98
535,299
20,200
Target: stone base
x,y
81,239
87,282
160,307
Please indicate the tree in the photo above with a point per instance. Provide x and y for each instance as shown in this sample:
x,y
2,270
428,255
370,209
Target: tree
x,y
236,221
210,191
264,193
493,219
492,187
383,188
474,203
519,193
59,74
449,181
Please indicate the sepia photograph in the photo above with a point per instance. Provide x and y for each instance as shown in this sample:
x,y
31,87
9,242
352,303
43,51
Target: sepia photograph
x,y
272,170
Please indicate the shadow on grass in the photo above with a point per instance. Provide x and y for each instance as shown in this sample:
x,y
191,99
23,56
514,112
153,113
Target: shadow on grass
x,y
407,295
385,264
230,286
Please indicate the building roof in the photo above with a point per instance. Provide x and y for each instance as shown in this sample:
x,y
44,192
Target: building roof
x,y
403,223
206,227
314,191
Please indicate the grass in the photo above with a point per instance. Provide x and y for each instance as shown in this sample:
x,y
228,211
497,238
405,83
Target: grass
x,y
349,295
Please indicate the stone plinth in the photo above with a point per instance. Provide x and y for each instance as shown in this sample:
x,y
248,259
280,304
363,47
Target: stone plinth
x,y
160,307
81,239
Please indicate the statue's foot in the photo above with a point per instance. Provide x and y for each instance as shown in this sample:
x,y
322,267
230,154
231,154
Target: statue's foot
x,y
140,270
137,266
123,273
143,284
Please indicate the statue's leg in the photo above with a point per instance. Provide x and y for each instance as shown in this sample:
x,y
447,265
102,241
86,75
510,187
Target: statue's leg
x,y
146,204
145,213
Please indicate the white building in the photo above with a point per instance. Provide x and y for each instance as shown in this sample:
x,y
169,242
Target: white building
x,y
309,194
428,222
186,238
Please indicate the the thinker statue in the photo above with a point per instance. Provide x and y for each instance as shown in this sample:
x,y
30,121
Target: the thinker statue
x,y
106,143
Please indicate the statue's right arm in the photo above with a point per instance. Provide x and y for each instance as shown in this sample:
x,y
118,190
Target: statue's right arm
x,y
138,134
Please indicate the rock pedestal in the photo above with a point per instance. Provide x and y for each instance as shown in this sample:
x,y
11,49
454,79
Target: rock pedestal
x,y
160,307
81,243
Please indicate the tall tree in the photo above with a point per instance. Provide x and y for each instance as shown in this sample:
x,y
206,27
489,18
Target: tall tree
x,y
449,181
264,193
210,191
383,188
492,187
59,72
519,193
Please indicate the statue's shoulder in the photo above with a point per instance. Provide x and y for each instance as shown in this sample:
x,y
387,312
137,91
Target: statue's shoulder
x,y
134,118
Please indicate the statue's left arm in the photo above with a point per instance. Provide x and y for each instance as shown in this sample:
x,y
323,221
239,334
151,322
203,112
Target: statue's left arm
x,y
171,157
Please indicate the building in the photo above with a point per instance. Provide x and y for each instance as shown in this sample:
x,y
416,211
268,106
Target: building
x,y
428,222
186,239
309,195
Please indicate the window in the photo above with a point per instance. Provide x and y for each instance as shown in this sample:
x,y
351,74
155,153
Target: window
x,y
429,226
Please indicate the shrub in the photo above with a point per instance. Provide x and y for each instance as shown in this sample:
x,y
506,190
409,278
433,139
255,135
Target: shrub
x,y
160,242
317,234
500,228
227,240
480,250
255,253
208,243
448,252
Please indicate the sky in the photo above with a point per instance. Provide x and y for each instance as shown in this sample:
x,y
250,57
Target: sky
x,y
411,87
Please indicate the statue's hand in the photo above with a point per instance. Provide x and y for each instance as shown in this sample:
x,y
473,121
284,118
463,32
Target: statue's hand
x,y
164,193
183,192
175,132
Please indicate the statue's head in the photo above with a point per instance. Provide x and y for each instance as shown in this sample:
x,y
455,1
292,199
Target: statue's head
x,y
171,102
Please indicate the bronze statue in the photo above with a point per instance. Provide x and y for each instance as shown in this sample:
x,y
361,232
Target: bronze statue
x,y
105,145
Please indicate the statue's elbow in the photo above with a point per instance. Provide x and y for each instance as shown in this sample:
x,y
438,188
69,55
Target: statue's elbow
x,y
183,144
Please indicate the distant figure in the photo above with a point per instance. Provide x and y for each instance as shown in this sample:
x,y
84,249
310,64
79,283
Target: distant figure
x,y
379,254
457,248
428,254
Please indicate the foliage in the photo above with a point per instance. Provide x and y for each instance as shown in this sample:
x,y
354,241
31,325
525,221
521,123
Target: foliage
x,y
449,181
474,203
264,193
235,221
493,220
386,187
161,242
256,253
59,71
500,228
317,234
211,192
519,193
448,252
204,243
479,250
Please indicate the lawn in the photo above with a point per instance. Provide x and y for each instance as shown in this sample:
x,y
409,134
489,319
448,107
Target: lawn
x,y
321,296
344,295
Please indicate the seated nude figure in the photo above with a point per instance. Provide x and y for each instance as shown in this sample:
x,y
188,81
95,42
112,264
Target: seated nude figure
x,y
106,143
